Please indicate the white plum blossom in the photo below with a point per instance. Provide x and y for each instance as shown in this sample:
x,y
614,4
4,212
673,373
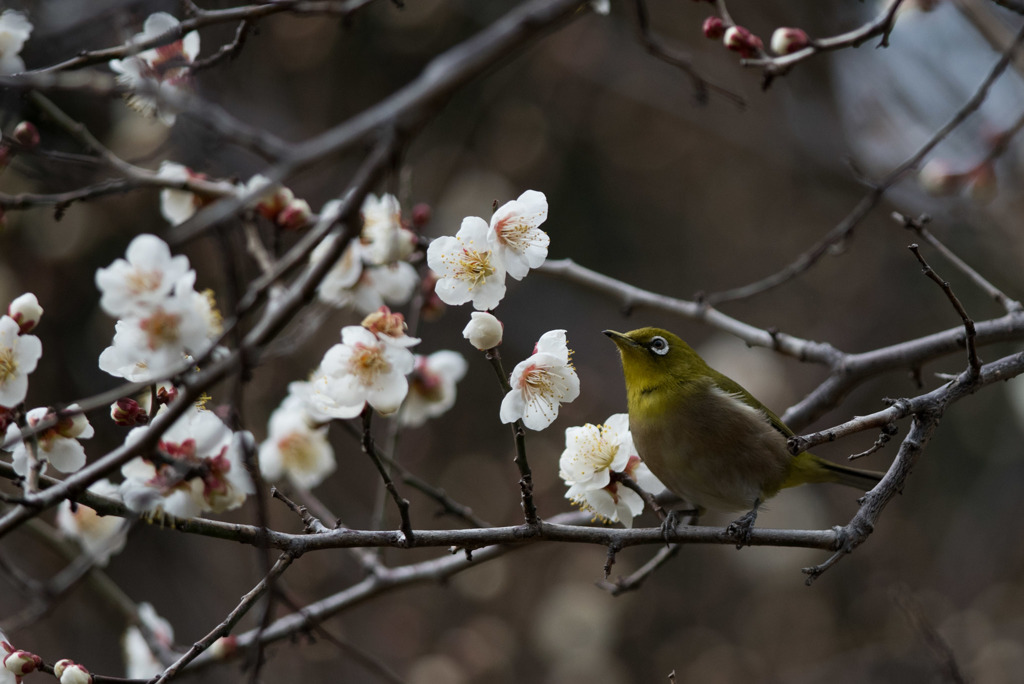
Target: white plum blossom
x,y
178,206
296,446
467,267
197,467
140,662
25,311
337,286
15,29
362,369
19,355
100,536
515,235
144,279
148,345
384,239
483,331
592,453
57,445
432,387
165,67
541,383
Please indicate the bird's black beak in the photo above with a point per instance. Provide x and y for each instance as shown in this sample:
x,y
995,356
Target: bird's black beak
x,y
618,338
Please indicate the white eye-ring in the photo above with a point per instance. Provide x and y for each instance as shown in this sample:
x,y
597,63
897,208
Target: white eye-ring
x,y
658,345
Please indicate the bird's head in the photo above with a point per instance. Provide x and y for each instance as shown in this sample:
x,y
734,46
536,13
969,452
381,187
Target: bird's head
x,y
652,356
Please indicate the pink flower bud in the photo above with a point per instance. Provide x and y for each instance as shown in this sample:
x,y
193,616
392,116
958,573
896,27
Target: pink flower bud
x,y
25,311
713,28
22,662
128,413
937,178
789,40
384,323
26,134
223,648
741,40
295,215
70,672
421,214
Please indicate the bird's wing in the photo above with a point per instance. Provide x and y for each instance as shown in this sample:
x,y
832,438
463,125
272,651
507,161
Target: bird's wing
x,y
729,385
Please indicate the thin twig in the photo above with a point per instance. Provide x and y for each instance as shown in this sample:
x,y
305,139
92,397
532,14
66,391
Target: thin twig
x,y
370,450
970,334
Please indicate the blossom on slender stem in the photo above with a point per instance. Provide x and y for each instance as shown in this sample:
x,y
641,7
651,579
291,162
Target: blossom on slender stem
x,y
296,446
515,234
541,383
19,355
362,369
432,387
57,445
165,67
592,454
467,267
15,29
145,278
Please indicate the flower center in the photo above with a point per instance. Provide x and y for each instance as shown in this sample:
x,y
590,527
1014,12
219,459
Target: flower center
x,y
512,233
296,451
474,266
161,328
368,362
140,281
8,365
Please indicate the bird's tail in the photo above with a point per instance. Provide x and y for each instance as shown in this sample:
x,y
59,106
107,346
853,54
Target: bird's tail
x,y
809,468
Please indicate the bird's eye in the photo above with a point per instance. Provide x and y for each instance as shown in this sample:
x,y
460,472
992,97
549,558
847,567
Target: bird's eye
x,y
658,345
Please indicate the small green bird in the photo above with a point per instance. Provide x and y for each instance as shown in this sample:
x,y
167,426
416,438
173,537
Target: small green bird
x,y
708,439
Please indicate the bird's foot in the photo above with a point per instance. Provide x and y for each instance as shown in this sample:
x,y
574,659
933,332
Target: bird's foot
x,y
673,518
740,529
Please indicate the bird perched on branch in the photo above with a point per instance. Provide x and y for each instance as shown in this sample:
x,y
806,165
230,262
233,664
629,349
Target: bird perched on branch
x,y
708,439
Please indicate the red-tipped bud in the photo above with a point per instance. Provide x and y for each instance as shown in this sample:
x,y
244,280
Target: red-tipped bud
x,y
383,322
165,395
741,40
25,311
22,662
421,214
128,413
295,215
789,40
70,672
26,134
224,647
713,28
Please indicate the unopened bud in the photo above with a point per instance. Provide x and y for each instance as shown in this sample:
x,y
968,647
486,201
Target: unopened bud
x,y
128,413
383,322
165,395
297,214
224,647
937,178
432,308
70,672
25,311
788,40
421,214
741,40
22,662
26,134
484,331
713,28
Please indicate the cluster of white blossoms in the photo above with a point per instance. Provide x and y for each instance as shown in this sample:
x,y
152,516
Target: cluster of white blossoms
x,y
163,69
372,366
162,319
592,454
373,271
471,266
196,466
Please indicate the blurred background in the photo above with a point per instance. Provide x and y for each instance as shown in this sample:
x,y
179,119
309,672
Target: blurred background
x,y
645,185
